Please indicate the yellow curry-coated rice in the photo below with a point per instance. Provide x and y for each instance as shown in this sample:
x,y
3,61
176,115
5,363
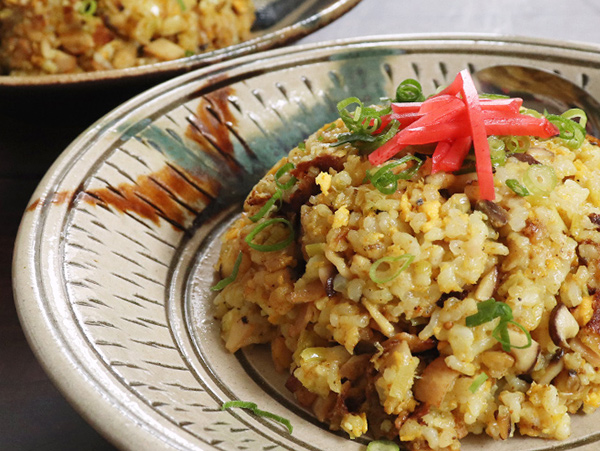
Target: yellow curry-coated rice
x,y
70,36
395,359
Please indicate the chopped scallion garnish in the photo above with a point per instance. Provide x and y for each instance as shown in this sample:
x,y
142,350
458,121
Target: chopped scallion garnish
x,y
181,4
227,280
281,172
88,7
267,206
409,91
270,247
256,411
540,180
573,133
517,144
488,311
497,151
302,145
519,189
478,382
391,273
386,181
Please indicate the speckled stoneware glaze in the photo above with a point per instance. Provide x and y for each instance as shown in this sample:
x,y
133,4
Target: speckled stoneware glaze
x,y
278,22
115,253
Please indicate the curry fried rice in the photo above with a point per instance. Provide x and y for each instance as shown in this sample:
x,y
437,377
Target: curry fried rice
x,y
426,313
57,36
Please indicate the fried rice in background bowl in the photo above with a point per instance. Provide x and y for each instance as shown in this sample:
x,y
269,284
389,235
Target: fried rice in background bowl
x,y
55,37
383,307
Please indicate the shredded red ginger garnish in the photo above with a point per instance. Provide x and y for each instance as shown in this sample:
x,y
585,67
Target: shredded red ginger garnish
x,y
455,119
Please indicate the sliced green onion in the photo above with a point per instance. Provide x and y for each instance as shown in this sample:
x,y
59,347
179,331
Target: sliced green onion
x,y
500,333
281,172
377,277
302,145
517,144
256,411
270,247
227,280
570,131
488,311
530,112
488,96
517,187
362,119
409,90
189,53
267,206
497,152
181,4
540,179
381,138
386,181
576,113
382,445
478,382
88,7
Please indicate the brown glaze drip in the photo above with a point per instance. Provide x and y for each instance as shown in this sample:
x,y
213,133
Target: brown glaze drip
x,y
57,198
209,126
170,194
164,194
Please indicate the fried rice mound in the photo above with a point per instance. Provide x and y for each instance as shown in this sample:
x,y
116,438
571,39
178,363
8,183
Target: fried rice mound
x,y
392,357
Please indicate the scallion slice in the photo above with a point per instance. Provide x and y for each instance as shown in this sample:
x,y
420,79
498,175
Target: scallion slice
x,y
540,179
488,311
256,411
478,382
227,280
270,247
497,151
281,172
570,131
363,119
386,181
409,90
267,206
376,275
382,445
519,189
88,7
517,144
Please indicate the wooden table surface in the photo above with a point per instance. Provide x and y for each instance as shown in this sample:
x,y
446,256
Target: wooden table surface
x,y
34,129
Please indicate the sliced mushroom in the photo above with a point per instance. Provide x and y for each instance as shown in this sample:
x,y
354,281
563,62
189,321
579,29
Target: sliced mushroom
x,y
590,355
437,380
524,157
497,215
562,325
326,276
525,358
555,366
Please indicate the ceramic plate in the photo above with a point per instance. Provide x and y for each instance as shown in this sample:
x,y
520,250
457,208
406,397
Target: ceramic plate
x,y
278,22
115,253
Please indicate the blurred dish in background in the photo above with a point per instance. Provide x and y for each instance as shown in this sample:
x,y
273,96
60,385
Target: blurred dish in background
x,y
92,40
